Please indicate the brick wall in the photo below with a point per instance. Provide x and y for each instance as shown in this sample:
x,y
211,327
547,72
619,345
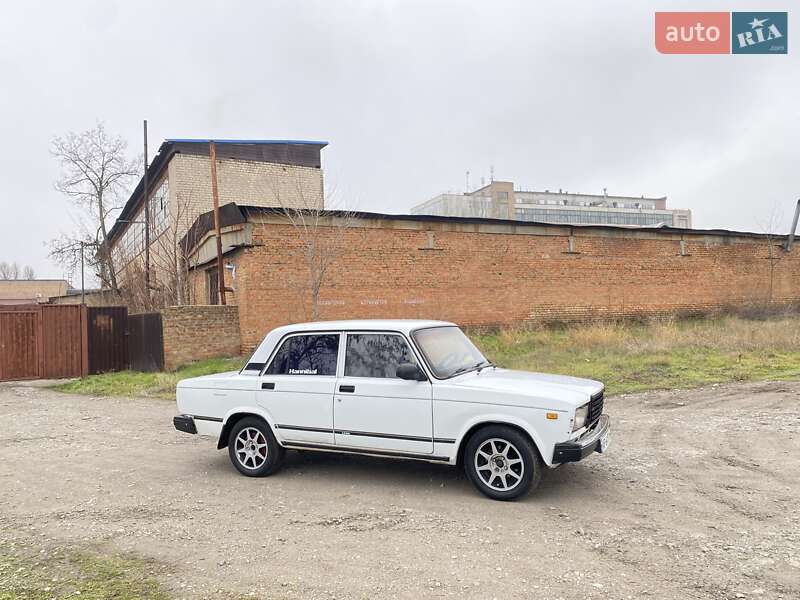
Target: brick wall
x,y
199,332
484,274
245,182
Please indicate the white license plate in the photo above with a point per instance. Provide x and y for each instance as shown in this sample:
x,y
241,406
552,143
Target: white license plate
x,y
605,440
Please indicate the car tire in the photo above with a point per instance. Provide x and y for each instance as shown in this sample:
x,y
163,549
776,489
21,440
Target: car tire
x,y
502,462
253,449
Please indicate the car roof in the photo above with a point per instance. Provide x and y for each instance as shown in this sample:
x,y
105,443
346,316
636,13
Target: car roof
x,y
402,325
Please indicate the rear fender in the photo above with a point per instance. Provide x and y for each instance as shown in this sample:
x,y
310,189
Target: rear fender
x,y
240,412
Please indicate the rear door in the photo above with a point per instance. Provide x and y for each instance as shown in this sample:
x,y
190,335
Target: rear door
x,y
298,384
375,409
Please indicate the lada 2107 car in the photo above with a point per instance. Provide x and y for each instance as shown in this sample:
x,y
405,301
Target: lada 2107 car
x,y
397,388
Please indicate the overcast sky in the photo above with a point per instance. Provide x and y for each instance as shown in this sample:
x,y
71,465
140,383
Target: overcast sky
x,y
410,95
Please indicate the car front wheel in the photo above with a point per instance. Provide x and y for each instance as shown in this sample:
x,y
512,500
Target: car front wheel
x,y
502,462
253,449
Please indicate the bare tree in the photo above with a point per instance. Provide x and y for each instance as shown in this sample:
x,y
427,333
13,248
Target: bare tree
x,y
321,234
169,260
95,172
770,228
9,270
169,266
13,271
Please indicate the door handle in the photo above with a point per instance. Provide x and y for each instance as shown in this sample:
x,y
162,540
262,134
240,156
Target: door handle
x,y
268,386
347,388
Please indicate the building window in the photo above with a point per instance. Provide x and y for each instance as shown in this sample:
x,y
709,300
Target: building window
x,y
159,210
594,217
131,242
212,286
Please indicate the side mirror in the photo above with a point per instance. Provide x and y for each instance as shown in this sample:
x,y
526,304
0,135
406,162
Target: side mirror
x,y
411,372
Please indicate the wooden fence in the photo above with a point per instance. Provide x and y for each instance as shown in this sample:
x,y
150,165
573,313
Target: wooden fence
x,y
50,341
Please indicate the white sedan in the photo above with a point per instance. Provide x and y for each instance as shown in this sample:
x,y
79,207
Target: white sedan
x,y
396,388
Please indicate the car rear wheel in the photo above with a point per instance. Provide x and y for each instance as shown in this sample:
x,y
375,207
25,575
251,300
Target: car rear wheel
x,y
253,449
502,462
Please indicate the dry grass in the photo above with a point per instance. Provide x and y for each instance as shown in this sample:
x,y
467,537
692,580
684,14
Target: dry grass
x,y
658,354
625,356
159,385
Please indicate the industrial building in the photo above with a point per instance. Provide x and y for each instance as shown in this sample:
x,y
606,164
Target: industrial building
x,y
500,200
481,271
270,173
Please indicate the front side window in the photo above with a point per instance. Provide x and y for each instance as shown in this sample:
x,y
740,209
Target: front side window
x,y
376,355
448,351
306,355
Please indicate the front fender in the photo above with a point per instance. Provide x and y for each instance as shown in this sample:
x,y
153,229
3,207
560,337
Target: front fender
x,y
500,418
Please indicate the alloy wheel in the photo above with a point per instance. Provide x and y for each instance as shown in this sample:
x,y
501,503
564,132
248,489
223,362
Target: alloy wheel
x,y
251,448
499,464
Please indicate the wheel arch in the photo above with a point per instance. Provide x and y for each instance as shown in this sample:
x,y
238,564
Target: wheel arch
x,y
496,420
236,415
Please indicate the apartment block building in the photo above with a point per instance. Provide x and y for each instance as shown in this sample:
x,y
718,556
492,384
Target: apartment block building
x,y
499,200
266,173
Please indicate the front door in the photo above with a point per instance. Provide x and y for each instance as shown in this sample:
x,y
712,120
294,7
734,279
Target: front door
x,y
375,409
298,384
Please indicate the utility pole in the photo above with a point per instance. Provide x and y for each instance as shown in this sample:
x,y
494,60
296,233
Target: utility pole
x,y
790,239
146,223
83,288
215,195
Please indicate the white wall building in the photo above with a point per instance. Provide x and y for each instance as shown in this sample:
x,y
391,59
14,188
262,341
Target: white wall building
x,y
500,200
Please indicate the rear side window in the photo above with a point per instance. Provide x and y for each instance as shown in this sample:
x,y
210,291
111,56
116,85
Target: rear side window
x,y
306,355
376,355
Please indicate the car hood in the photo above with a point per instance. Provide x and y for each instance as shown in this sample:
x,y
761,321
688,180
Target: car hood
x,y
573,391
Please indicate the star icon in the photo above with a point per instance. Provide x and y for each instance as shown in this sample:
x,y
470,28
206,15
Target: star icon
x,y
757,23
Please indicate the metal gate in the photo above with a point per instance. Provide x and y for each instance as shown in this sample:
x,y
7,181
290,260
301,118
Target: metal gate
x,y
146,342
107,334
52,341
42,341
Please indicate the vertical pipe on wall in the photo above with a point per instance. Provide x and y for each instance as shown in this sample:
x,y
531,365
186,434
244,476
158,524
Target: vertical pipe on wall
x,y
215,195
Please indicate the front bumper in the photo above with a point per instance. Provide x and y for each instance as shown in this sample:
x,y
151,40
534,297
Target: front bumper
x,y
184,423
588,443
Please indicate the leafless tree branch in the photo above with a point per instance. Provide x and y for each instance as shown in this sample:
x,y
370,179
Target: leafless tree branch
x,y
13,271
321,233
95,173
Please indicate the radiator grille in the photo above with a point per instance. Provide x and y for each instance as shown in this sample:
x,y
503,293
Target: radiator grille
x,y
595,408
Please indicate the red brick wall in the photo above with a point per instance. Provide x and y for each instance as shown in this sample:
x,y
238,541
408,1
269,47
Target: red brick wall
x,y
198,332
508,276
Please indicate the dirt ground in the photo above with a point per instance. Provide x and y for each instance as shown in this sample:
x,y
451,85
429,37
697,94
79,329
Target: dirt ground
x,y
698,497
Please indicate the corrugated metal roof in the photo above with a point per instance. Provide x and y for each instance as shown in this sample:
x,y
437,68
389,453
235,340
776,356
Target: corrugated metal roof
x,y
255,142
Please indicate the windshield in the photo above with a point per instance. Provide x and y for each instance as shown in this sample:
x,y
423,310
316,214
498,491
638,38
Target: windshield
x,y
448,351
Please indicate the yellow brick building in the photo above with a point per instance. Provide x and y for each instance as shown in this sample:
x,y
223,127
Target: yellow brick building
x,y
267,173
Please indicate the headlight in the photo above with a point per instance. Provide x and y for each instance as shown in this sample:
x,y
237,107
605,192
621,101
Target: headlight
x,y
580,417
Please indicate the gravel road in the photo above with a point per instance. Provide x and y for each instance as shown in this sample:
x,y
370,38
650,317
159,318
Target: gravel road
x,y
699,497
